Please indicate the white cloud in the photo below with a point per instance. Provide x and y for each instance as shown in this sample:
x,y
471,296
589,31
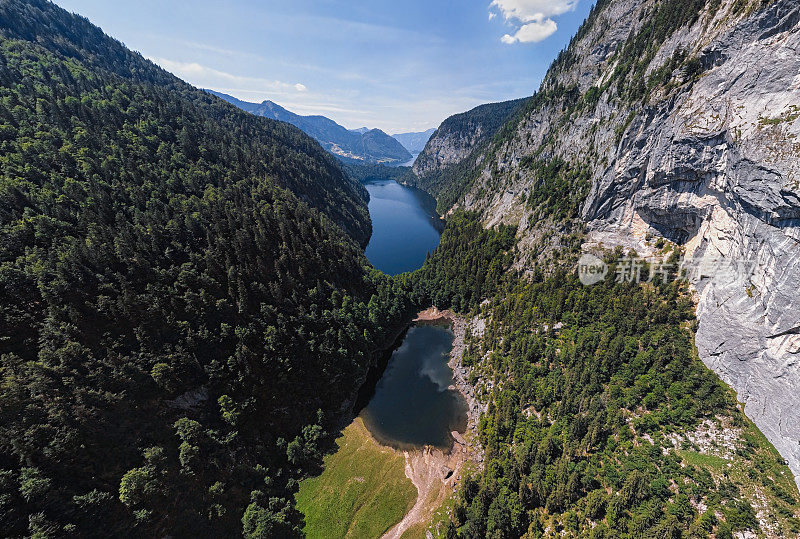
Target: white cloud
x,y
492,15
531,18
533,10
208,77
533,32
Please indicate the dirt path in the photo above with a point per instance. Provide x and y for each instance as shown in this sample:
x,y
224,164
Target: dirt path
x,y
434,472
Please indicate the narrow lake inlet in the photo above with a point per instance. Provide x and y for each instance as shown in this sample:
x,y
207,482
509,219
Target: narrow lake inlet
x,y
405,226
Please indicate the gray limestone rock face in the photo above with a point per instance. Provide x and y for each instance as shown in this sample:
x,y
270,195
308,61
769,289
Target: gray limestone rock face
x,y
446,149
718,170
456,141
713,165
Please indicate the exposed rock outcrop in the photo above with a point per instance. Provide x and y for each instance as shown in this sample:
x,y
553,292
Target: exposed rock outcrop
x,y
709,158
457,146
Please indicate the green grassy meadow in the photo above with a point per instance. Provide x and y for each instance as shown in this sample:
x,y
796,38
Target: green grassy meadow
x,y
362,493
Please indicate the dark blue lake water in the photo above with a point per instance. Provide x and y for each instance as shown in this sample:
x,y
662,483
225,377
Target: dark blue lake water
x,y
405,226
413,405
407,401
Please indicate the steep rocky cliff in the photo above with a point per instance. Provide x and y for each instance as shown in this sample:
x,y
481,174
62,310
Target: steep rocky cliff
x,y
687,115
455,150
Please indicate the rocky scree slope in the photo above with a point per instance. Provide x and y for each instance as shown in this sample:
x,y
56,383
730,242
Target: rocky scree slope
x,y
687,115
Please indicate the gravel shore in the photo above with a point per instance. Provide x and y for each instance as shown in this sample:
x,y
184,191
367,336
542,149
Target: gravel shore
x,y
434,472
460,373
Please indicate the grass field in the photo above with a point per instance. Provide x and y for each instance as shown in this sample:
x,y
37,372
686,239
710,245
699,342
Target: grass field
x,y
362,493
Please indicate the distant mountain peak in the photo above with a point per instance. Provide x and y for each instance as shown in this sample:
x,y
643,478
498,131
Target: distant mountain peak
x,y
362,144
414,142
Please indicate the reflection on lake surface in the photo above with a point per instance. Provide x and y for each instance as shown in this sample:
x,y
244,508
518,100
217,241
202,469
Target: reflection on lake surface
x,y
413,405
405,227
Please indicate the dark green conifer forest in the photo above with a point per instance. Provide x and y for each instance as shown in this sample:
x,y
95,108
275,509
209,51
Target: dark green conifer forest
x,y
589,386
184,303
186,314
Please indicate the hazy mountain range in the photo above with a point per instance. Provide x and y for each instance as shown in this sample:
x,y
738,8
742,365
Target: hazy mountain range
x,y
415,142
362,144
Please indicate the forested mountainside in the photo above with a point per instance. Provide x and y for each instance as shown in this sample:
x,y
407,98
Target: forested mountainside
x,y
670,128
364,173
602,421
370,146
684,115
228,136
181,313
453,151
185,309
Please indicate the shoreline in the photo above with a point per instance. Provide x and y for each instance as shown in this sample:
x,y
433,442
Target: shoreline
x,y
460,374
347,410
436,473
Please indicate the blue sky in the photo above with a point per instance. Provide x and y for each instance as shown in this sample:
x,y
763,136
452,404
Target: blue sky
x,y
399,66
